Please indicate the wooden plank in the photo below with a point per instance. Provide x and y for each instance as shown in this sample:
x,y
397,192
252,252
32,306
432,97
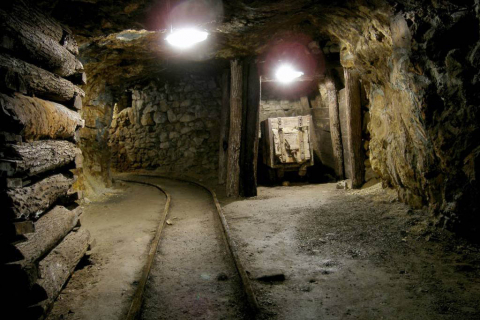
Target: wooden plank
x,y
33,200
235,134
32,158
335,132
224,128
23,40
354,126
250,137
36,119
35,81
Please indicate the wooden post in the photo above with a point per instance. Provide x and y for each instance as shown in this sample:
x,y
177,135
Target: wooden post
x,y
354,126
224,128
249,149
235,134
335,125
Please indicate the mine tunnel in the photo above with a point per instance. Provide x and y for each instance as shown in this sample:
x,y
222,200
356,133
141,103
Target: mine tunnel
x,y
208,159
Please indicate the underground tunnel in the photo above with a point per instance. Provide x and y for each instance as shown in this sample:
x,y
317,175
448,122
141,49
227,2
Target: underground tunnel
x,y
208,159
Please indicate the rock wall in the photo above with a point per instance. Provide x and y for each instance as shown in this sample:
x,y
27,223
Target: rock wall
x,y
170,126
419,66
94,137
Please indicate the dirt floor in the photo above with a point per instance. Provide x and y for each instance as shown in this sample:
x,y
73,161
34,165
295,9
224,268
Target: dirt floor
x,y
343,254
193,276
123,223
352,255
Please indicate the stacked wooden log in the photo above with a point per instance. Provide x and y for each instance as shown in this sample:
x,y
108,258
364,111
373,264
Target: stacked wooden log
x,y
40,234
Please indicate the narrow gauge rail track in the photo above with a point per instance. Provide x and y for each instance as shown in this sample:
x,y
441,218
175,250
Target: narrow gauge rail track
x,y
159,182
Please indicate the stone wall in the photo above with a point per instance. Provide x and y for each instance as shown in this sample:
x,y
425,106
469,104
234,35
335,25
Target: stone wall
x,y
170,126
97,113
421,78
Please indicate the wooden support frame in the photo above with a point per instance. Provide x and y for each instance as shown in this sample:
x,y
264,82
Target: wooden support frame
x,y
224,128
354,126
235,134
251,125
336,136
241,175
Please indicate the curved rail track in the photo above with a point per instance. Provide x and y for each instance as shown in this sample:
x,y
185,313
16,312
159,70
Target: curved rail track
x,y
168,187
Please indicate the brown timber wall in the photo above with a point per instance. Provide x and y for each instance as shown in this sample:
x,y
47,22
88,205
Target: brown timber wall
x,y
39,159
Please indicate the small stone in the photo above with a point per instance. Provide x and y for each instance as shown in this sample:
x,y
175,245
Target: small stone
x,y
187,117
147,119
160,117
186,103
171,116
342,185
198,141
186,130
163,106
163,137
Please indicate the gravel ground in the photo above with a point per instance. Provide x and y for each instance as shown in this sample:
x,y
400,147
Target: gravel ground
x,y
352,255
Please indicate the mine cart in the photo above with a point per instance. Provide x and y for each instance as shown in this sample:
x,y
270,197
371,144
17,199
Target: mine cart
x,y
287,145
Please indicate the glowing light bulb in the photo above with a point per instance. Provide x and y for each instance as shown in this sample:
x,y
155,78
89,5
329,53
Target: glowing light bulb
x,y
186,38
286,74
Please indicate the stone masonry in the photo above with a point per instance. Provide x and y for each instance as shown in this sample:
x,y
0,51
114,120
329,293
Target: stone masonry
x,y
170,126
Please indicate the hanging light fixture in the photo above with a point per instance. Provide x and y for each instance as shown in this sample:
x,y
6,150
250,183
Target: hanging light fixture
x,y
187,37
286,73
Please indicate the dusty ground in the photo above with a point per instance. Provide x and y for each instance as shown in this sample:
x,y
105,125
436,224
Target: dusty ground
x,y
344,254
123,223
352,255
193,276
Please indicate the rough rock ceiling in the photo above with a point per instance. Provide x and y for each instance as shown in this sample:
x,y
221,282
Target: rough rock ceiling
x,y
128,35
236,27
